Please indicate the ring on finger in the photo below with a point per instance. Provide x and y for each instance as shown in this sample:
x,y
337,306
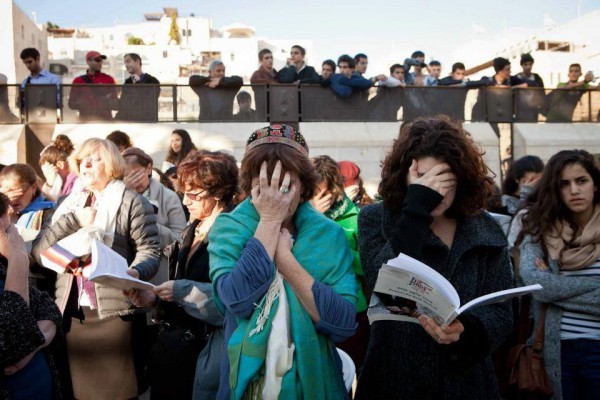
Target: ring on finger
x,y
284,190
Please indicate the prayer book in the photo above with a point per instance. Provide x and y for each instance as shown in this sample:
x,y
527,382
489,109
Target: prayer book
x,y
407,288
110,269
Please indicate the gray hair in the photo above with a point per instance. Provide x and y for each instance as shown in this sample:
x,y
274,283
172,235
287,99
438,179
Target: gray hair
x,y
214,64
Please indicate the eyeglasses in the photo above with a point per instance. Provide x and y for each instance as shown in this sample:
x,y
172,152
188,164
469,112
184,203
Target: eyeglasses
x,y
90,160
196,196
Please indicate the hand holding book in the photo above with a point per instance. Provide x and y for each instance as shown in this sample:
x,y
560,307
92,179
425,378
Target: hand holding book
x,y
442,335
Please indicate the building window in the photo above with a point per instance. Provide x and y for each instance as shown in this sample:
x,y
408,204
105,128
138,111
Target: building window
x,y
22,32
546,45
165,54
232,56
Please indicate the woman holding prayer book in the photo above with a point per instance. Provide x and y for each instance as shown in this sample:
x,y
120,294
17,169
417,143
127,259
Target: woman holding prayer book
x,y
100,345
191,336
282,274
561,251
434,186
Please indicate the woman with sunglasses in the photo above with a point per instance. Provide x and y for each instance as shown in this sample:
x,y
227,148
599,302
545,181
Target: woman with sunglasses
x,y
99,320
190,321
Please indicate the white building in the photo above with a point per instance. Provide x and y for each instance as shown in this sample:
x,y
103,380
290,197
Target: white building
x,y
236,45
554,48
17,33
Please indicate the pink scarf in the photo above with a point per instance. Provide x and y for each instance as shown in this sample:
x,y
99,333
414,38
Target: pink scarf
x,y
583,251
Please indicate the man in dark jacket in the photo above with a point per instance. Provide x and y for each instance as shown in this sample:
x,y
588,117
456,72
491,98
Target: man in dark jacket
x,y
139,103
216,92
529,102
344,83
297,71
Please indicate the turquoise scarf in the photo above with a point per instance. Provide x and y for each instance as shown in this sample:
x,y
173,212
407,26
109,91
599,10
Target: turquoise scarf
x,y
321,249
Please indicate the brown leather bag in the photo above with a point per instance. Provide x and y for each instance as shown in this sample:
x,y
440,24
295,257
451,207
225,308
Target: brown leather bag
x,y
528,378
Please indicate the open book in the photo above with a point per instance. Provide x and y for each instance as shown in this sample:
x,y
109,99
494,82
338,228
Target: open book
x,y
407,288
110,269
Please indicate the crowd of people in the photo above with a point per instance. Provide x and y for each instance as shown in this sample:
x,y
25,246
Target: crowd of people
x,y
263,269
217,92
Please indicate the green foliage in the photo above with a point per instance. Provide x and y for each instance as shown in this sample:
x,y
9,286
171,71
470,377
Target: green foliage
x,y
135,41
50,25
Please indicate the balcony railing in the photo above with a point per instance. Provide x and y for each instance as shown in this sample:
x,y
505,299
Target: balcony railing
x,y
290,103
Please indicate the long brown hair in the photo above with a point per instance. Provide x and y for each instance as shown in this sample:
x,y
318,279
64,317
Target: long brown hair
x,y
443,139
549,208
329,171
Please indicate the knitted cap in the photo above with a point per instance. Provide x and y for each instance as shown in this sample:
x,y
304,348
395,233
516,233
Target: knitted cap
x,y
278,133
350,172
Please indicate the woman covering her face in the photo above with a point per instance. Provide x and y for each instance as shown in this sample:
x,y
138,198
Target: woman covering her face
x,y
55,167
283,278
561,251
28,211
99,343
434,186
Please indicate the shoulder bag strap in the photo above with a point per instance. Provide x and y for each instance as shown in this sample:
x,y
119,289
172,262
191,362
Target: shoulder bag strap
x,y
538,344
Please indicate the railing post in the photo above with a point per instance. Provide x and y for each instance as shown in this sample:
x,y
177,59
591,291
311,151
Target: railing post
x,y
589,105
175,103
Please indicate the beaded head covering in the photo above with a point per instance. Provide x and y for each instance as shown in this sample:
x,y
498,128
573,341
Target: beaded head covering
x,y
278,133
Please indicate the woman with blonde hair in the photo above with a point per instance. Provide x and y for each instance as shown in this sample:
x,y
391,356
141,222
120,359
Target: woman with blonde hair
x,y
99,343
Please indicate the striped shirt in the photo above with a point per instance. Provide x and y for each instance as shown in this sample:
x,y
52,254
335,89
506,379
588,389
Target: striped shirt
x,y
577,325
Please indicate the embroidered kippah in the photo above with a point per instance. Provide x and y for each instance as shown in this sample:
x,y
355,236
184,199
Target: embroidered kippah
x,y
278,133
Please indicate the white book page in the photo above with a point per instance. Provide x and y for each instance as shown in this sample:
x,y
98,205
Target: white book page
x,y
411,295
109,268
435,278
502,295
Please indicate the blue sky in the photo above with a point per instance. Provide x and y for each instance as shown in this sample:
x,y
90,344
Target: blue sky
x,y
375,27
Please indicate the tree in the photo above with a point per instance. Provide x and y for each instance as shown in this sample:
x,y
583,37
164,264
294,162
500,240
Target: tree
x,y
50,25
174,34
135,41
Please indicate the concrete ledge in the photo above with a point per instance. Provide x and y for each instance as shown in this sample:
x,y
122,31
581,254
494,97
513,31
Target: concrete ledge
x,y
12,144
545,140
365,143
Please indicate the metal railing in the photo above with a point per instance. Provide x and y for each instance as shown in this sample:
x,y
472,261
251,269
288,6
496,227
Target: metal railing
x,y
290,103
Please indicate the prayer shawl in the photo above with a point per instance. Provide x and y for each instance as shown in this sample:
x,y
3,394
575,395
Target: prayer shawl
x,y
60,256
321,249
30,217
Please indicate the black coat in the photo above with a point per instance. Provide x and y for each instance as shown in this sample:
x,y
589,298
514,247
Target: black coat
x,y
403,361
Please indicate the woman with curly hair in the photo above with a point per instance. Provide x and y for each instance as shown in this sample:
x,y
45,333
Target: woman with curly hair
x,y
561,251
434,186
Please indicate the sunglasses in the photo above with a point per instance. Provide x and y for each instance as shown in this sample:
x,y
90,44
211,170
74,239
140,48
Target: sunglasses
x,y
196,196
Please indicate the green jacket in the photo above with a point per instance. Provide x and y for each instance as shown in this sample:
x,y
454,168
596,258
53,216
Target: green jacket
x,y
345,213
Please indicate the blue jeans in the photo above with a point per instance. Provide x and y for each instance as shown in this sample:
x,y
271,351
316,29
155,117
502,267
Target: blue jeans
x,y
580,369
